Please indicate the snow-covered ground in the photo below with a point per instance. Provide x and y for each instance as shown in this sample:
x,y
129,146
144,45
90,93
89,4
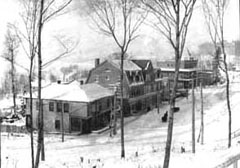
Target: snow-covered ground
x,y
145,137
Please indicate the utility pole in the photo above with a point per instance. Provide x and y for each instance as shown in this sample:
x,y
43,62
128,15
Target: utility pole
x,y
193,117
114,112
111,124
158,111
202,115
43,146
62,121
169,91
113,118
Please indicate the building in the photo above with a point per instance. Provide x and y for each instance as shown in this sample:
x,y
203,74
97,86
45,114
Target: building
x,y
78,108
141,88
185,78
185,64
189,71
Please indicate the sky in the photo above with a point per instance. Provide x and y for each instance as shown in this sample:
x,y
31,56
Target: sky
x,y
92,45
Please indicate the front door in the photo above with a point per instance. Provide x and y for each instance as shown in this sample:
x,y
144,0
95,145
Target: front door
x,y
76,124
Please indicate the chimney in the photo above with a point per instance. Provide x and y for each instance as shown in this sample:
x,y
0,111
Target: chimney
x,y
81,82
59,82
97,62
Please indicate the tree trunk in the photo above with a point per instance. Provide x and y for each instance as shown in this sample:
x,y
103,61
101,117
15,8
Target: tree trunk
x,y
40,116
202,116
229,108
62,124
31,114
158,99
13,82
114,113
122,112
193,117
171,118
172,98
227,90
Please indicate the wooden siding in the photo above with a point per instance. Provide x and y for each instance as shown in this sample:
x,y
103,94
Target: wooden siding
x,y
86,112
137,93
76,109
100,111
106,75
79,109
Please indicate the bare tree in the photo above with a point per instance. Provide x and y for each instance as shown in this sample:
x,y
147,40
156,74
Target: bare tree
x,y
11,48
30,38
119,19
214,11
36,13
47,11
172,20
6,84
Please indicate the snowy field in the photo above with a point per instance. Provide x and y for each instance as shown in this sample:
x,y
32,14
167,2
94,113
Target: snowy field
x,y
145,137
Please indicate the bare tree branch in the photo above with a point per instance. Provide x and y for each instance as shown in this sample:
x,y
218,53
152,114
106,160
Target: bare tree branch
x,y
67,51
55,12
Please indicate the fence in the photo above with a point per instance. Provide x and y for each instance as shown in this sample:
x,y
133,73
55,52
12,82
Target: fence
x,y
13,128
230,162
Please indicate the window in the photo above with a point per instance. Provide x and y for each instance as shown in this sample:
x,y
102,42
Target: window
x,y
93,107
59,107
133,107
51,106
37,105
28,121
57,124
100,106
66,107
108,103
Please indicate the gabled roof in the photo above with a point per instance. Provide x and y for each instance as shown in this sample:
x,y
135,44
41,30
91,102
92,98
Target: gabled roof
x,y
142,63
128,65
74,92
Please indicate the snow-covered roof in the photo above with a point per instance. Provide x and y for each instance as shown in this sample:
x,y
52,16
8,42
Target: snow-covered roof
x,y
74,92
180,70
128,65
